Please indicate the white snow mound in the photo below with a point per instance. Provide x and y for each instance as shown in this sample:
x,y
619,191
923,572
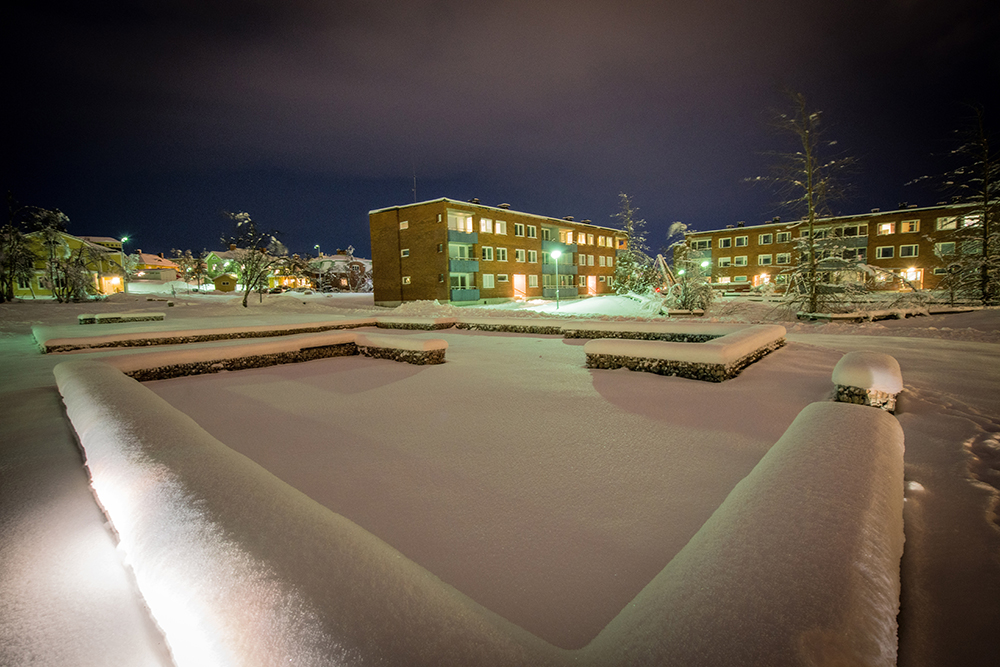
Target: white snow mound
x,y
869,370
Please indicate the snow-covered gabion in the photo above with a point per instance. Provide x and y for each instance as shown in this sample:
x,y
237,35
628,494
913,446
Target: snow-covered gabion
x,y
398,348
868,378
243,362
421,323
640,335
88,318
512,325
720,359
115,318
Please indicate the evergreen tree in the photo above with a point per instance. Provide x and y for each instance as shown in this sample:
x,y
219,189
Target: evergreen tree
x,y
634,270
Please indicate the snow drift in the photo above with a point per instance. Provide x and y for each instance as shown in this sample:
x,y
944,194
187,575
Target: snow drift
x,y
799,565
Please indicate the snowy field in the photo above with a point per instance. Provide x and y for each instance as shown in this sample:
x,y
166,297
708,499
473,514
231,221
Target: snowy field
x,y
552,494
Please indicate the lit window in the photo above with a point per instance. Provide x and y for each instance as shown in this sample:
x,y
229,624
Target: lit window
x,y
947,223
406,280
908,250
907,227
590,239
500,227
724,279
485,225
885,228
884,252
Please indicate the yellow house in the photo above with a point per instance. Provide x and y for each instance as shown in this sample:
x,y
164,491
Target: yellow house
x,y
101,264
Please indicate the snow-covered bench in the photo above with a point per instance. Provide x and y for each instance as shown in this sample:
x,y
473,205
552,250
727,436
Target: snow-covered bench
x,y
115,318
687,332
719,359
402,348
799,565
526,325
425,323
868,378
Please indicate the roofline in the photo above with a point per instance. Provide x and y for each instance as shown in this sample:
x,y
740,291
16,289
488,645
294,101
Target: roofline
x,y
832,218
559,221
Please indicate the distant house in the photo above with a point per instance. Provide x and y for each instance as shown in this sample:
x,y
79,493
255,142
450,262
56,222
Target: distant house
x,y
154,267
101,257
225,282
342,271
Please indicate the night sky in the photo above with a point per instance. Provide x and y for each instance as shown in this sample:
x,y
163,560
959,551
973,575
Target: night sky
x,y
149,118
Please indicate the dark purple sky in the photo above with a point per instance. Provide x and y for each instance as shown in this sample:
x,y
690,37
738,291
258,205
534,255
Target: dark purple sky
x,y
148,118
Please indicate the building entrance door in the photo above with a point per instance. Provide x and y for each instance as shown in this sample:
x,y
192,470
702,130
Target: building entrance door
x,y
592,285
520,286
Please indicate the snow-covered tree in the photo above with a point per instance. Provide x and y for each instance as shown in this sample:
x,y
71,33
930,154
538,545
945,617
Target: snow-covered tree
x,y
192,266
809,182
257,253
17,261
634,270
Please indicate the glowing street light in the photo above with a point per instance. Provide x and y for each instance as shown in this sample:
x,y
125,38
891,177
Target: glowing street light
x,y
556,254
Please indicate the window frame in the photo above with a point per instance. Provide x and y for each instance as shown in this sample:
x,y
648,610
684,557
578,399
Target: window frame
x,y
880,252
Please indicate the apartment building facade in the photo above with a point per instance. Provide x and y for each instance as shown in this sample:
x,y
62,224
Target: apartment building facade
x,y
467,252
908,246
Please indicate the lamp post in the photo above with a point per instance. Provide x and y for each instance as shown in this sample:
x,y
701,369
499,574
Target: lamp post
x,y
556,254
124,269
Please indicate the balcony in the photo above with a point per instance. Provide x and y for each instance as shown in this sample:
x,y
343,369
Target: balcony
x,y
463,265
564,269
455,236
466,294
564,292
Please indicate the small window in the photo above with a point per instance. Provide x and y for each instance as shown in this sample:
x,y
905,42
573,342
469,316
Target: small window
x,y
611,261
701,244
590,260
909,226
518,229
406,280
440,247
784,237
485,225
488,281
742,241
500,227
440,277
739,279
943,249
740,261
405,252
886,228
784,258
532,281
950,222
726,243
532,232
487,253
404,224
533,256
939,271
908,250
24,283
501,254
600,241
519,255
763,260
501,277
765,239
601,279
725,261
884,252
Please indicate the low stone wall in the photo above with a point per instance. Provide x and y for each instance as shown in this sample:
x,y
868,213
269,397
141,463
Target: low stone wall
x,y
509,327
872,397
641,335
868,378
417,357
116,318
685,369
242,363
422,324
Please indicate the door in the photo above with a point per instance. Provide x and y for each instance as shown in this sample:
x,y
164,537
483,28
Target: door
x,y
520,286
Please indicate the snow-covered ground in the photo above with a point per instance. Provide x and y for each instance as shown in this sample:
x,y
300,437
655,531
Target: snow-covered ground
x,y
549,493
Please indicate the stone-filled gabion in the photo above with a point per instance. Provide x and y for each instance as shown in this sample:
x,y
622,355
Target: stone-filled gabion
x,y
241,363
417,357
198,338
872,397
684,369
507,327
641,335
423,326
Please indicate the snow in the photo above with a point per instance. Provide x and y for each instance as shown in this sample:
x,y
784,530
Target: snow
x,y
400,342
869,370
208,532
557,534
724,350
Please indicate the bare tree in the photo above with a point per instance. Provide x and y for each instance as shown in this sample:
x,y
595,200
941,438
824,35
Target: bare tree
x,y
258,252
808,182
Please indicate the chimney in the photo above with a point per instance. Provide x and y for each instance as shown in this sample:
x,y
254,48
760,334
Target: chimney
x,y
729,226
912,206
776,218
902,204
568,218
876,210
232,246
741,223
160,255
586,220
474,200
504,206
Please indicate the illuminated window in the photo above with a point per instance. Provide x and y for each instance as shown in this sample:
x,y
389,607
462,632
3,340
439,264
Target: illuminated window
x,y
950,222
590,239
460,221
406,280
908,250
600,241
404,224
724,279
886,228
500,227
884,252
909,226
486,226
784,237
764,239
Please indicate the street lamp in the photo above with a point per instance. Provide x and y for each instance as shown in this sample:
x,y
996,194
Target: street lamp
x,y
556,254
124,270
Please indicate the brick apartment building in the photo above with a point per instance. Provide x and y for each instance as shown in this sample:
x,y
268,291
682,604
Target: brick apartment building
x,y
466,252
912,242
